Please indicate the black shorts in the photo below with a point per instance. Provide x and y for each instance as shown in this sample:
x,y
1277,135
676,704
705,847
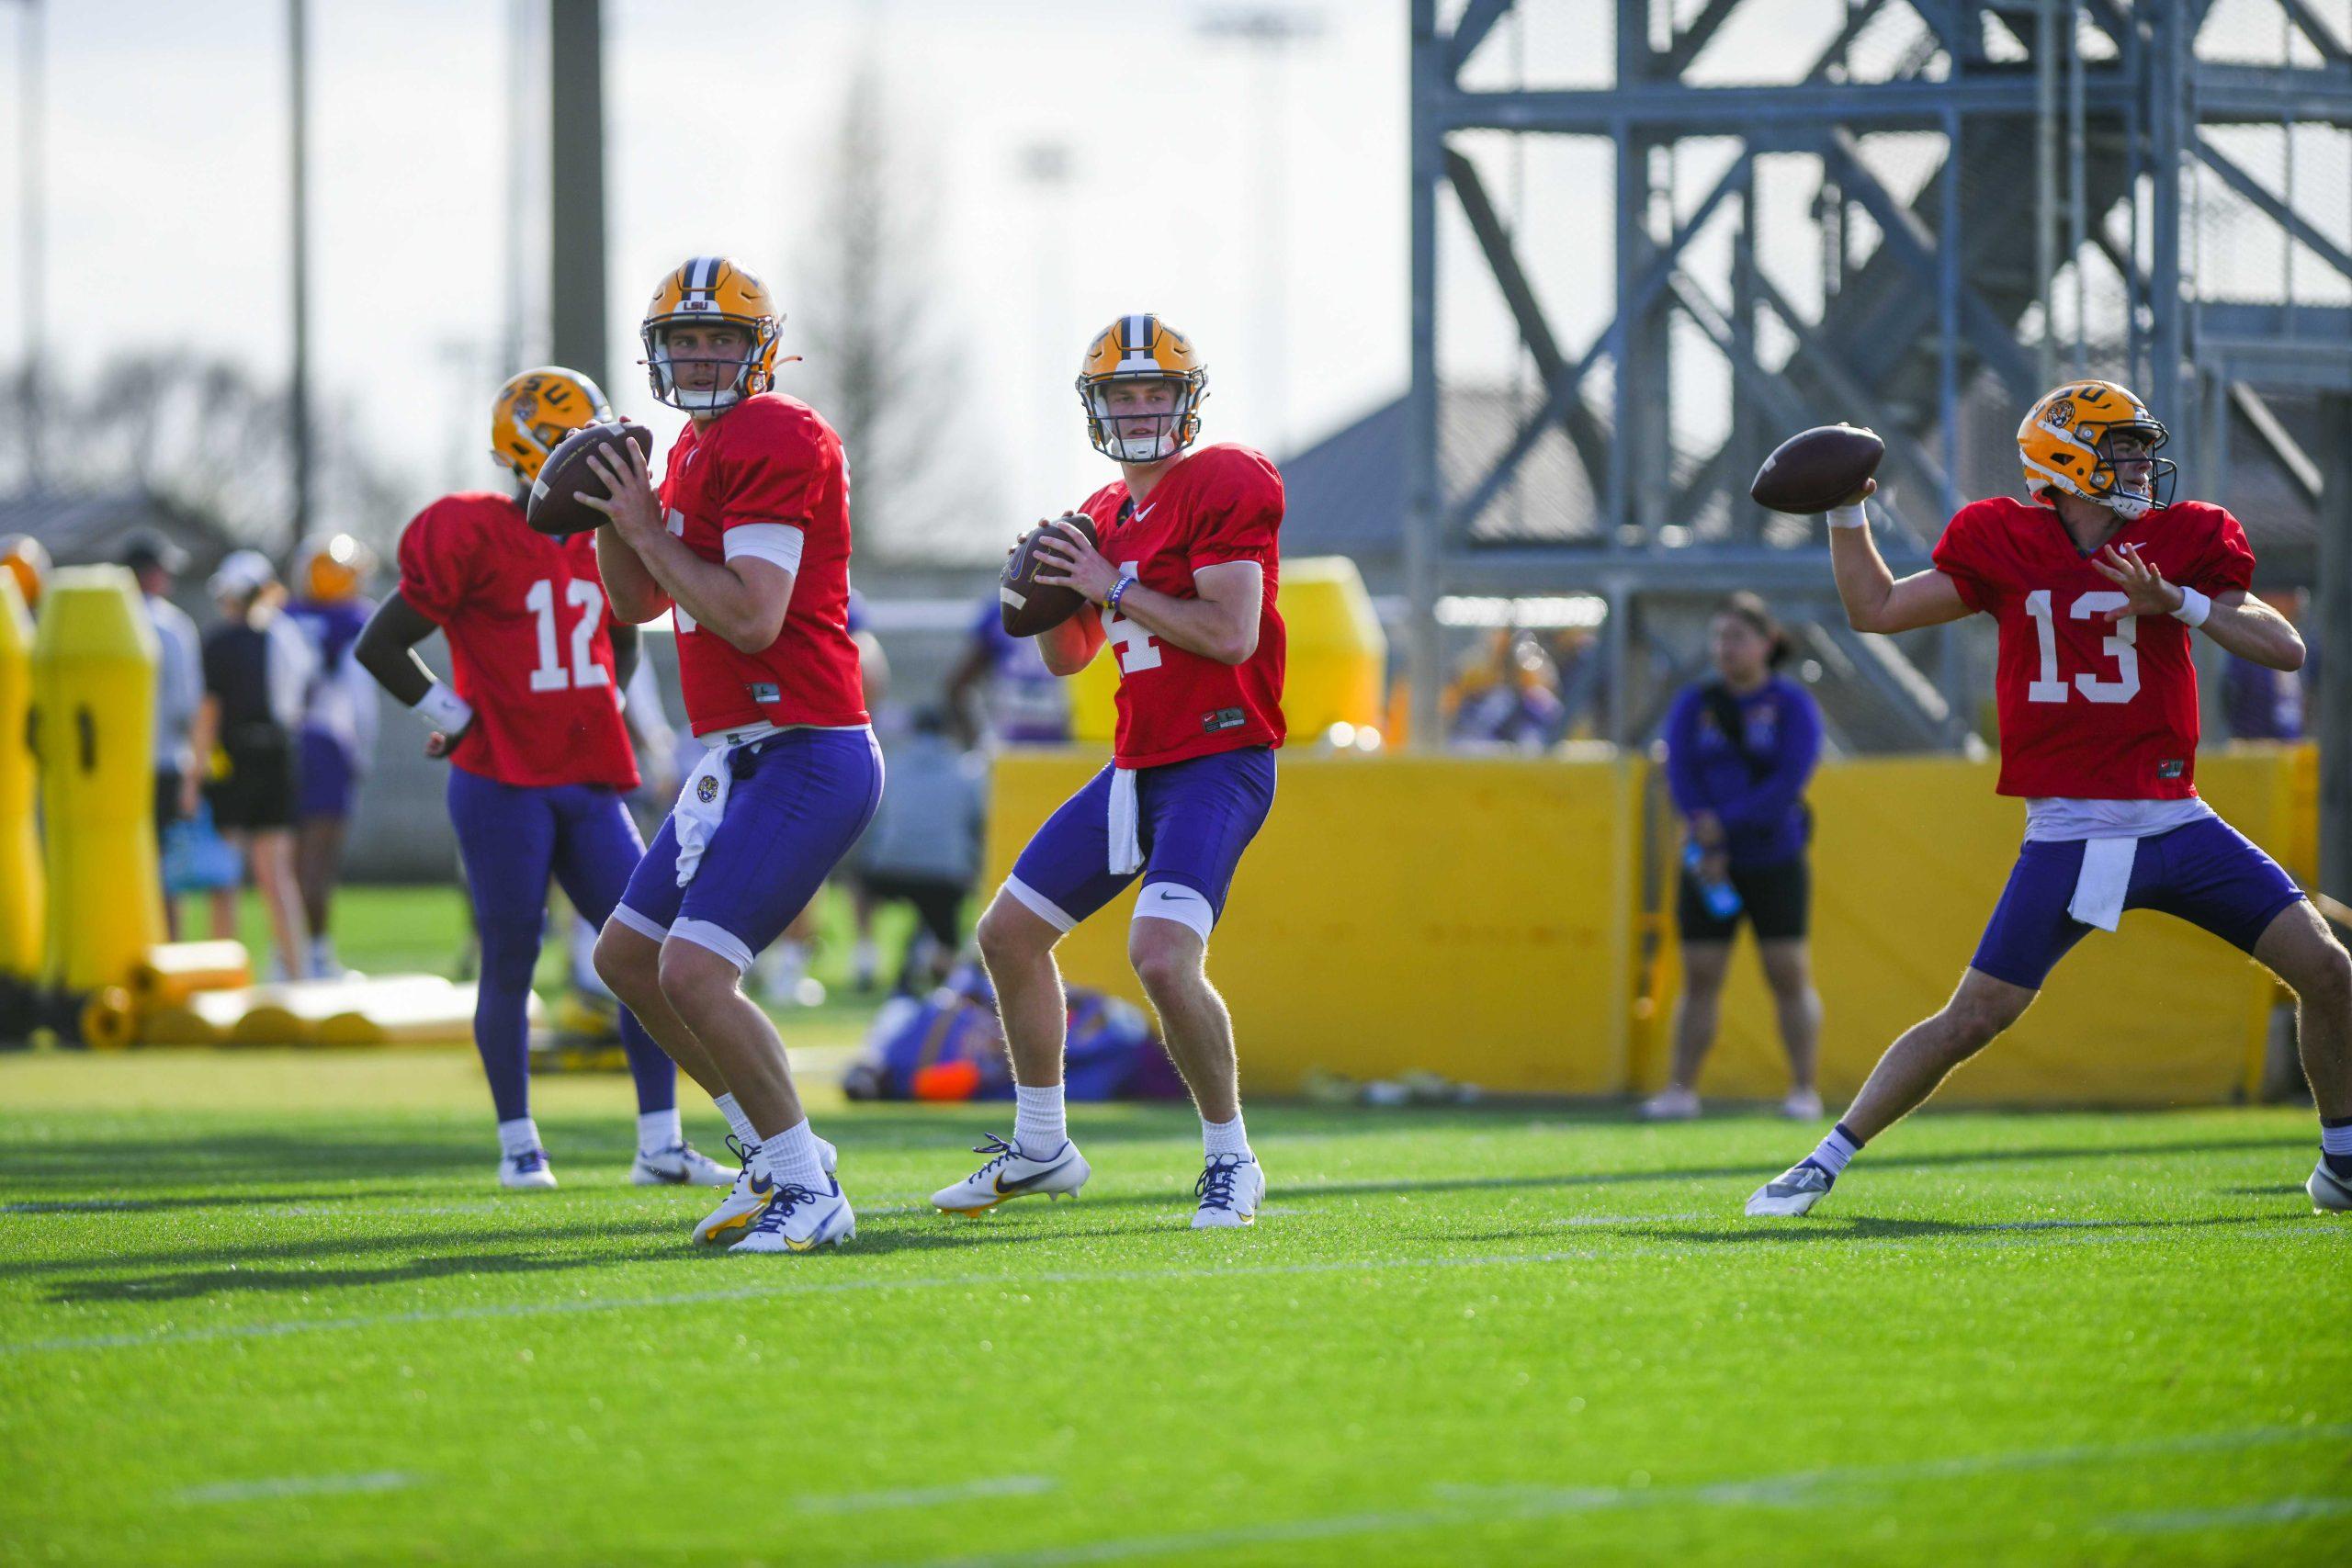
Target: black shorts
x,y
1776,899
938,905
261,787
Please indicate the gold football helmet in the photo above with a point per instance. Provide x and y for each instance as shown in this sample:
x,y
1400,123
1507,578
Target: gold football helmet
x,y
535,411
24,559
712,291
329,568
2063,444
1141,349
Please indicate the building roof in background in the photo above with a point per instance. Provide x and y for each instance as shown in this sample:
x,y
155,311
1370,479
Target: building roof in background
x,y
88,527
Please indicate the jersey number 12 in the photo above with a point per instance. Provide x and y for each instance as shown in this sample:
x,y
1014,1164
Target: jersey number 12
x,y
550,675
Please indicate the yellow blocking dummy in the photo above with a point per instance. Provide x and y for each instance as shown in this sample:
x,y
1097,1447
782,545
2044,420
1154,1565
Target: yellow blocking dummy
x,y
1910,854
94,701
1335,658
20,870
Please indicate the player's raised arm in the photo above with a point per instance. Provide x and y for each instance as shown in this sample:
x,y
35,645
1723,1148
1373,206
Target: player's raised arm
x,y
1221,622
742,599
2236,619
630,588
1875,599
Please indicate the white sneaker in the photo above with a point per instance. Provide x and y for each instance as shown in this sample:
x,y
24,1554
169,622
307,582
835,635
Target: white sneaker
x,y
1801,1105
2330,1192
680,1164
744,1204
1012,1174
1229,1189
529,1168
798,1220
1672,1104
1794,1192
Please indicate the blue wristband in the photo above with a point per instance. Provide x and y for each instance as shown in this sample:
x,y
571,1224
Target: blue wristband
x,y
1112,603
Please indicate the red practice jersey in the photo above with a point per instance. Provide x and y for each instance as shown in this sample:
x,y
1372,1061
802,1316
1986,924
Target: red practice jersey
x,y
530,642
2091,709
1221,503
771,466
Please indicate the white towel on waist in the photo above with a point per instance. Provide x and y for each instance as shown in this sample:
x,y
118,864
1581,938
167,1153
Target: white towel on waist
x,y
702,801
2106,878
1126,842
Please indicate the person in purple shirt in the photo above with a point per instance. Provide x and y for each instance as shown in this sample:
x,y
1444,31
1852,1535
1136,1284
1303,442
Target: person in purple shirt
x,y
1022,702
1740,746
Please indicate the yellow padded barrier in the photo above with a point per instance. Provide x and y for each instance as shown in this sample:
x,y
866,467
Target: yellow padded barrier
x,y
1910,854
1469,915
20,868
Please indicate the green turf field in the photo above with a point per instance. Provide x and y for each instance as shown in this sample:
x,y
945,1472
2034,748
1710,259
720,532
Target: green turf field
x,y
263,1309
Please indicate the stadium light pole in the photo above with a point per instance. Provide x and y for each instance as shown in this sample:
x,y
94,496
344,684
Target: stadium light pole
x,y
1270,31
30,236
298,49
576,187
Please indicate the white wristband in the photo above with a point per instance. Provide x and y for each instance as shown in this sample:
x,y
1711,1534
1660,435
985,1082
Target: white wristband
x,y
444,709
2194,606
1849,516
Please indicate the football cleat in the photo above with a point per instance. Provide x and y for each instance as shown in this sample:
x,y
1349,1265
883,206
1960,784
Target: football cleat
x,y
1672,1104
749,1197
1794,1192
680,1164
1010,1174
2330,1192
1801,1105
799,1220
1229,1189
529,1168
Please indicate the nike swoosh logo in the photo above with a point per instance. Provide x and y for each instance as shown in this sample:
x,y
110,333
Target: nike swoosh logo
x,y
762,1188
1026,1183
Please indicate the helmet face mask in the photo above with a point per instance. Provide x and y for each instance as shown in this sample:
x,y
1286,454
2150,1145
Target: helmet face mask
x,y
2068,443
1131,355
706,292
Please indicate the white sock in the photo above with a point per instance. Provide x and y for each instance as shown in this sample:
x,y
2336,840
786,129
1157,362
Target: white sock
x,y
659,1130
792,1157
737,1122
1040,1123
1836,1150
519,1137
1226,1138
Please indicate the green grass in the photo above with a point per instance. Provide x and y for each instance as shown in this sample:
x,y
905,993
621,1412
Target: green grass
x,y
265,1309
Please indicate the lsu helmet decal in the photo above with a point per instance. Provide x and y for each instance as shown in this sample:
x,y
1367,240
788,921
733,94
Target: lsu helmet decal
x,y
712,291
2063,445
535,411
1133,349
329,569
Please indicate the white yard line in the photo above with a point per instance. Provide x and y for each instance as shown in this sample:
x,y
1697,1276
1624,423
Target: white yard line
x,y
923,1496
294,1486
1468,1505
2271,1233
2286,1510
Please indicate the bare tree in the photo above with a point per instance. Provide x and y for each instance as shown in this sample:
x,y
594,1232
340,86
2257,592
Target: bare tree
x,y
205,436
874,359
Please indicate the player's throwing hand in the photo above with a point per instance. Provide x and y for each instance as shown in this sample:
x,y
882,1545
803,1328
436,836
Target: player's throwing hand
x,y
1070,560
2150,593
633,508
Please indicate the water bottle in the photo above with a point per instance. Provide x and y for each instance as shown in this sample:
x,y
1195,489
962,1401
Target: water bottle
x,y
1721,899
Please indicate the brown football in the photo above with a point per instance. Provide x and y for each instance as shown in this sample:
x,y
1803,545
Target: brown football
x,y
1816,470
1027,605
565,477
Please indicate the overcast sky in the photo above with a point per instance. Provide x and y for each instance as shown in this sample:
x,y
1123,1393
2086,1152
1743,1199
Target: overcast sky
x,y
167,195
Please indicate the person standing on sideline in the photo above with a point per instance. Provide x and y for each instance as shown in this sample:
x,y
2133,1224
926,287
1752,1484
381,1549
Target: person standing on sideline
x,y
1739,747
156,562
255,669
337,739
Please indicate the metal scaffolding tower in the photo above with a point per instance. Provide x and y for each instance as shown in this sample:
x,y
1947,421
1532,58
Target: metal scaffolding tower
x,y
2002,193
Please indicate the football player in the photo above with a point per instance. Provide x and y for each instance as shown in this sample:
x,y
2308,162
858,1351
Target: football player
x,y
538,761
747,546
2096,584
338,734
1182,591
